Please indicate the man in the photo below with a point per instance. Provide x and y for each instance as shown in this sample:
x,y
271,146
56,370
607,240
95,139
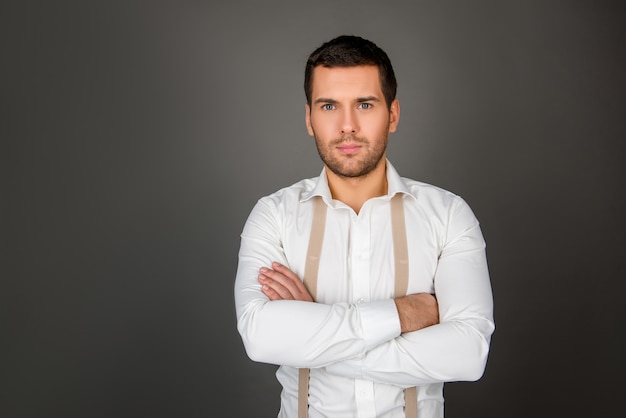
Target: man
x,y
369,290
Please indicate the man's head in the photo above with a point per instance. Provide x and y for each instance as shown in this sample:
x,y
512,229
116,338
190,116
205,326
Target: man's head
x,y
351,106
351,51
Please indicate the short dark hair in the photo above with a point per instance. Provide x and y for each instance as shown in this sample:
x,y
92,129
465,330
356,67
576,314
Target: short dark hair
x,y
351,51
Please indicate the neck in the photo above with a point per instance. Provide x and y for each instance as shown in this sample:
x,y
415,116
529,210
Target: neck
x,y
355,191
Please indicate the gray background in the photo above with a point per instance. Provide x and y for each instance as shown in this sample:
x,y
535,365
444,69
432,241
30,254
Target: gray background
x,y
136,137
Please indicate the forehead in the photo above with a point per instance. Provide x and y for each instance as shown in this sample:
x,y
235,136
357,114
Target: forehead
x,y
363,80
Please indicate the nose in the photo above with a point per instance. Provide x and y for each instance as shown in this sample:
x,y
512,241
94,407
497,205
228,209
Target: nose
x,y
349,122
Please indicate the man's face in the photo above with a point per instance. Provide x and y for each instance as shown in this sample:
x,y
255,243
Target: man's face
x,y
349,119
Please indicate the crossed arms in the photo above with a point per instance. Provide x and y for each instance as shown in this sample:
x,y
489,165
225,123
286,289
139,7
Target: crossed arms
x,y
414,311
407,341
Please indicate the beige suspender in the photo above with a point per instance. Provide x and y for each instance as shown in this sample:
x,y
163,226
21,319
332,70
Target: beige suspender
x,y
303,392
310,282
400,247
401,255
314,251
410,402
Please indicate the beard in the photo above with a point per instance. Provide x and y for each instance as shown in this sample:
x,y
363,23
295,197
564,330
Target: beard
x,y
352,166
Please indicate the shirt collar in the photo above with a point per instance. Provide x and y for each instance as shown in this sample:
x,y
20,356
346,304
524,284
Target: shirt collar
x,y
395,185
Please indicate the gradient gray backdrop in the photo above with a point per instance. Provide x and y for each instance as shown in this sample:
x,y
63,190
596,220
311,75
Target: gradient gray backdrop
x,y
136,137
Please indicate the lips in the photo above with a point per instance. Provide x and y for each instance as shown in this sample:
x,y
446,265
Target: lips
x,y
349,148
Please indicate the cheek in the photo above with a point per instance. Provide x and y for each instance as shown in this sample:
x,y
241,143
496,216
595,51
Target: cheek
x,y
373,129
322,126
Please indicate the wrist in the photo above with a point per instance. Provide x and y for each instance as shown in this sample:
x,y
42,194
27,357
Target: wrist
x,y
400,307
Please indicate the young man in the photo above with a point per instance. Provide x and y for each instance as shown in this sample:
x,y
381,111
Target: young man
x,y
369,290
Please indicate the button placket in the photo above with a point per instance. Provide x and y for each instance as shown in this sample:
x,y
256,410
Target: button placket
x,y
360,260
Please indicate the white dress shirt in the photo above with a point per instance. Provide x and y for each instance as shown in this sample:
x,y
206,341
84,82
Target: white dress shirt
x,y
350,337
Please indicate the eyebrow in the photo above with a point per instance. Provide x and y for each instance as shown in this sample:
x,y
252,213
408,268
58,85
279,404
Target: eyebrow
x,y
325,100
367,99
357,100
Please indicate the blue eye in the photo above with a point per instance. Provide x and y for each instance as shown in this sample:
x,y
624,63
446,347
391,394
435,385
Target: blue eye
x,y
327,106
365,106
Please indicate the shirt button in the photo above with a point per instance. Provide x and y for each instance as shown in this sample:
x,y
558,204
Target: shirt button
x,y
359,300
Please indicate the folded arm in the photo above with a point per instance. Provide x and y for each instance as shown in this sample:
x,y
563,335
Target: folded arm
x,y
280,325
298,333
456,349
414,311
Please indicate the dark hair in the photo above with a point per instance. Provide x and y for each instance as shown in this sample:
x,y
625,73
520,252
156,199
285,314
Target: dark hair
x,y
351,51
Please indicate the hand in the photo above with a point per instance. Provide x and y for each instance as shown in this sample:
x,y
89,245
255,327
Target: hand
x,y
417,311
280,283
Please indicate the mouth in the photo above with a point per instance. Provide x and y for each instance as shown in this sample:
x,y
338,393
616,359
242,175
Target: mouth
x,y
349,148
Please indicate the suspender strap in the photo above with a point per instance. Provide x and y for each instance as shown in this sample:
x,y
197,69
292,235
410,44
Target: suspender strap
x,y
400,248
401,255
311,267
410,402
315,246
303,392
401,285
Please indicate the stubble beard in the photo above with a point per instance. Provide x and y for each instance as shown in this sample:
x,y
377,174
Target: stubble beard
x,y
352,166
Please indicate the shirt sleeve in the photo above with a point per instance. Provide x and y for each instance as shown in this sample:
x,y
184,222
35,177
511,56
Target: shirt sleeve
x,y
456,349
296,333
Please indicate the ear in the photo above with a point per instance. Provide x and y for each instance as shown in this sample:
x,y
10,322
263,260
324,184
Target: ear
x,y
394,115
307,118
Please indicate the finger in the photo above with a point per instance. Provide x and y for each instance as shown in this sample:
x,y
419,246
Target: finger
x,y
289,282
268,282
295,284
270,293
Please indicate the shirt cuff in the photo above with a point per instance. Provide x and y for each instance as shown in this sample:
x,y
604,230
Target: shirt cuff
x,y
379,321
